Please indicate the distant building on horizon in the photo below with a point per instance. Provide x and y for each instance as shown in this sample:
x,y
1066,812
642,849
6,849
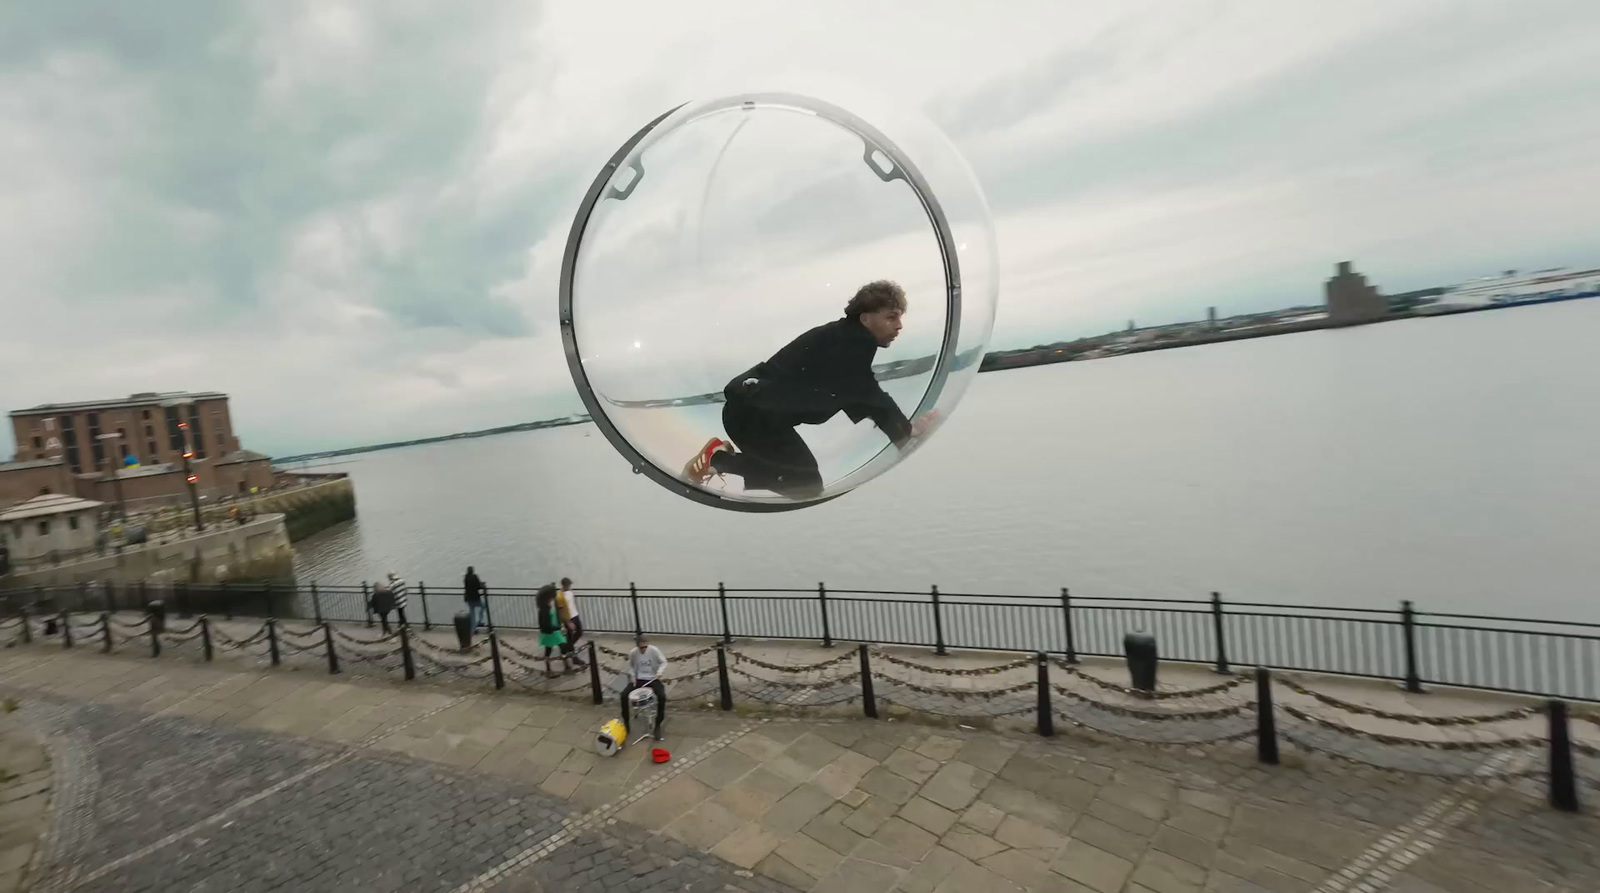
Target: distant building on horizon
x,y
60,449
1350,299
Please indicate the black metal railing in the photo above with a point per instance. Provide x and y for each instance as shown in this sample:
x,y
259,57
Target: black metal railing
x,y
1414,648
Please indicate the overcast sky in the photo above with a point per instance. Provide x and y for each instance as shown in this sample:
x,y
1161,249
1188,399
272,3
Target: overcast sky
x,y
349,215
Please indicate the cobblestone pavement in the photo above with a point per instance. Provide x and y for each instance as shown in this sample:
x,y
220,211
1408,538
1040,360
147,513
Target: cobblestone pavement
x,y
181,776
179,804
24,797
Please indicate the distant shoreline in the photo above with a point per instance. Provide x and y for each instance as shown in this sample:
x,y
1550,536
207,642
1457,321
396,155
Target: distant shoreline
x,y
1042,355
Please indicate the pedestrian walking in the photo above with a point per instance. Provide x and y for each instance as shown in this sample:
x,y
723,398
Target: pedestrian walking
x,y
571,623
381,603
397,589
550,635
472,588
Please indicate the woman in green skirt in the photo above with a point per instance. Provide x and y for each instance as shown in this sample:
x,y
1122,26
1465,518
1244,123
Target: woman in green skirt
x,y
550,635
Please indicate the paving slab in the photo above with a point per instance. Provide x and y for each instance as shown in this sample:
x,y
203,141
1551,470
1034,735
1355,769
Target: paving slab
x,y
747,803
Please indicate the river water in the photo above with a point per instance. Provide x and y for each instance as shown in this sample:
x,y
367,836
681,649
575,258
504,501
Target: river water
x,y
1450,461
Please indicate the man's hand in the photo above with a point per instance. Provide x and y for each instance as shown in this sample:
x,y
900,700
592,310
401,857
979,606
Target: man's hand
x,y
922,423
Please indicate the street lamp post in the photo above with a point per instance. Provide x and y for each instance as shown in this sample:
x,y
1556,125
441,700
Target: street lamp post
x,y
188,470
189,476
114,439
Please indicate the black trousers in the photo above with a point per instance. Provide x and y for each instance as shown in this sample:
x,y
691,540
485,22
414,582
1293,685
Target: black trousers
x,y
573,635
661,700
772,454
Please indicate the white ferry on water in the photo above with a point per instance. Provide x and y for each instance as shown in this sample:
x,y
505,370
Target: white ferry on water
x,y
1514,288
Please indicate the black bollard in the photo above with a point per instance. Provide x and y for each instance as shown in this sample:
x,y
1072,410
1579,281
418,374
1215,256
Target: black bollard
x,y
158,616
327,642
494,656
723,684
869,699
1140,648
464,630
594,674
1563,779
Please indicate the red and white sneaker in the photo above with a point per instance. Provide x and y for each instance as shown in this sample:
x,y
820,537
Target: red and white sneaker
x,y
699,470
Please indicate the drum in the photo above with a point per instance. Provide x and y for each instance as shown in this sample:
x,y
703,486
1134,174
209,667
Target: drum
x,y
642,702
611,737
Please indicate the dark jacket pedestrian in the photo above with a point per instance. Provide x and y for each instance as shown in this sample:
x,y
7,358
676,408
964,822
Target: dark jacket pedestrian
x,y
473,590
382,603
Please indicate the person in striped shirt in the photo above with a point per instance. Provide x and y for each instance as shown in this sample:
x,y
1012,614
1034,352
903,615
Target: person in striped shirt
x,y
397,588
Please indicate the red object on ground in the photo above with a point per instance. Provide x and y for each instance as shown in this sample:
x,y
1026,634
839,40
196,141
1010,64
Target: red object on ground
x,y
660,755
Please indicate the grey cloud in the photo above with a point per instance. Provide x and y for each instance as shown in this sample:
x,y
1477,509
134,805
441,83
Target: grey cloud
x,y
1316,117
1003,101
217,148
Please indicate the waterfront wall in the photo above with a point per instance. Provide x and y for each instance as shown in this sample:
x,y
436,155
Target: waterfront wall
x,y
312,509
256,550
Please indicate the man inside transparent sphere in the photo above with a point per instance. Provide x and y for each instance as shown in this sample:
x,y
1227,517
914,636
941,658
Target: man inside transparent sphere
x,y
825,371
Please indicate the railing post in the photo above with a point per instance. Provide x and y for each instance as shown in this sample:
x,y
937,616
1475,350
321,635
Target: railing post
x,y
594,674
722,602
366,601
316,604
633,598
405,652
105,632
66,630
1563,778
1066,616
1408,628
722,677
1217,626
327,641
144,596
1266,725
272,640
267,589
155,633
827,631
205,636
938,624
488,612
111,598
1047,716
422,596
869,703
27,625
494,657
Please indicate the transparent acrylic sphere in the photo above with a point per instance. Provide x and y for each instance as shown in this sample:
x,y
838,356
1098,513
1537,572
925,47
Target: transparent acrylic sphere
x,y
726,228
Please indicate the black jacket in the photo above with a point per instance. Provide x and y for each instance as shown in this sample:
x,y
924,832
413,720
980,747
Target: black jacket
x,y
548,622
473,587
819,374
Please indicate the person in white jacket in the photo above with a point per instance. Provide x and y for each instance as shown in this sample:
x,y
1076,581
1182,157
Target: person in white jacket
x,y
646,666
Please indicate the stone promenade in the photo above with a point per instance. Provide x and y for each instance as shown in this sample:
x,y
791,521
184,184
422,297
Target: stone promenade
x,y
173,775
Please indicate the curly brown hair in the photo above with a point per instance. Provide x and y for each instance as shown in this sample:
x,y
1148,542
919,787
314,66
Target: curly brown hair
x,y
875,296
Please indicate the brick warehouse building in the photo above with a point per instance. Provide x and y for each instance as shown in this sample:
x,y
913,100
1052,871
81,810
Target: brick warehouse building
x,y
60,449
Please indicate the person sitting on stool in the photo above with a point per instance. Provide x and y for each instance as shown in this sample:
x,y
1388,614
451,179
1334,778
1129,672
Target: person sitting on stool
x,y
646,665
